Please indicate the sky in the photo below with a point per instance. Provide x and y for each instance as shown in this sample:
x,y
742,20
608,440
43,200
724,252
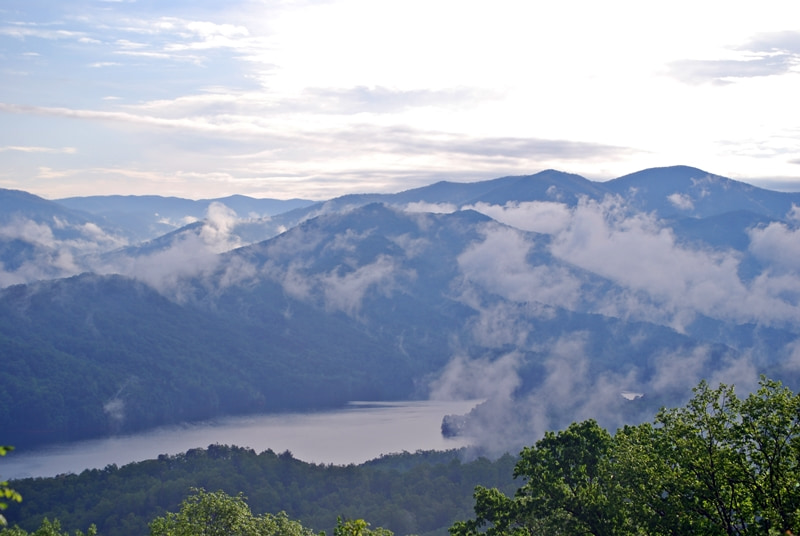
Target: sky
x,y
320,98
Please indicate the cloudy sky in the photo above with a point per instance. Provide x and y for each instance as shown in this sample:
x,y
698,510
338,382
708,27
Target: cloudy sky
x,y
318,98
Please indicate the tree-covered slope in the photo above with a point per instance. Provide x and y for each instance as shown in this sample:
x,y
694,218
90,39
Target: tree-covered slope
x,y
422,493
92,355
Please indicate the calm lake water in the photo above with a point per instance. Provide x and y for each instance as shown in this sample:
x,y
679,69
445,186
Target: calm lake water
x,y
360,432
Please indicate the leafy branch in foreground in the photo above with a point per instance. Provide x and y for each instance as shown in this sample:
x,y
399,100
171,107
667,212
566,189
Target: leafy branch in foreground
x,y
6,492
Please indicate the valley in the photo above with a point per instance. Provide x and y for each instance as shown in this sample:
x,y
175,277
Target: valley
x,y
548,296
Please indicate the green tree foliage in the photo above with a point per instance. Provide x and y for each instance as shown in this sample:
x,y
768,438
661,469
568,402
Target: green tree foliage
x,y
769,435
568,489
718,466
219,514
702,467
567,479
47,528
6,492
358,527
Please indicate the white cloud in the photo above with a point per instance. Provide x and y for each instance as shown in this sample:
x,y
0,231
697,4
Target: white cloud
x,y
29,231
434,208
30,149
791,361
217,231
294,280
536,216
572,389
467,379
346,291
681,201
499,264
778,245
209,29
501,324
655,278
192,253
638,253
412,247
290,259
168,270
51,249
346,241
21,31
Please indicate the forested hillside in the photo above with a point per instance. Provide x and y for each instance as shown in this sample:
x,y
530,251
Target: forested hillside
x,y
420,493
94,355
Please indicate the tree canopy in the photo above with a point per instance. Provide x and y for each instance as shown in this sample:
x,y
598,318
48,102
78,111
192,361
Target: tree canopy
x,y
407,493
218,514
720,465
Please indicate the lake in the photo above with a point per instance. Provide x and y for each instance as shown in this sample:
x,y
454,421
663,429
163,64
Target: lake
x,y
360,432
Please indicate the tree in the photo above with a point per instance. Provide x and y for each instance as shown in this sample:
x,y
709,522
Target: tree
x,y
6,492
769,436
719,465
47,528
703,469
655,505
679,475
568,489
218,514
357,527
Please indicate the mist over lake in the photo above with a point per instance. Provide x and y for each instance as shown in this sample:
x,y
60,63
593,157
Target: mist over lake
x,y
360,432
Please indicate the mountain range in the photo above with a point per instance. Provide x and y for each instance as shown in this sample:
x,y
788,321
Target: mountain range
x,y
551,297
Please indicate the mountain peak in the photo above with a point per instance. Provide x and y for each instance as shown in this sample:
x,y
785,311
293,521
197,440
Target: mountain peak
x,y
684,191
667,173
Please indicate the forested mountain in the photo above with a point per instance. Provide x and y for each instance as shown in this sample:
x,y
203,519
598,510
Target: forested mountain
x,y
94,355
553,297
420,493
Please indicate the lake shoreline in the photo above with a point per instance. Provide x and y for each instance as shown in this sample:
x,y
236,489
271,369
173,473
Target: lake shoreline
x,y
360,432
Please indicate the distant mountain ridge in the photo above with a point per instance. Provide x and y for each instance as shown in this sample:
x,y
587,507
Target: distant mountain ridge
x,y
670,192
149,216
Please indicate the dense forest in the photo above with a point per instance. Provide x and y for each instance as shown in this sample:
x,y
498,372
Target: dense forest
x,y
719,465
77,365
420,493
